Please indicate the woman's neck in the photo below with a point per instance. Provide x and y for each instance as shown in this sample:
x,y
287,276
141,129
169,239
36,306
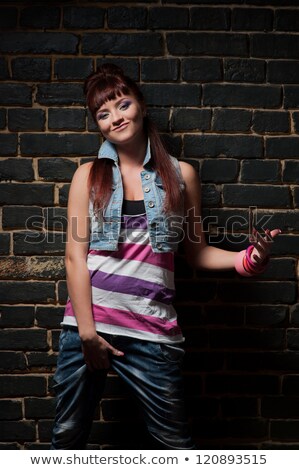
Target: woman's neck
x,y
132,154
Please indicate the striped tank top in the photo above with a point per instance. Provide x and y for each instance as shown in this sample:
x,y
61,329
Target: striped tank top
x,y
133,287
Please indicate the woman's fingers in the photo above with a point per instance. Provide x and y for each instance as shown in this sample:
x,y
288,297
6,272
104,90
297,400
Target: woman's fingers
x,y
264,240
275,232
261,247
261,243
96,352
115,352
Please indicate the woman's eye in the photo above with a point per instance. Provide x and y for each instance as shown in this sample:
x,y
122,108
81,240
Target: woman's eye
x,y
101,116
125,105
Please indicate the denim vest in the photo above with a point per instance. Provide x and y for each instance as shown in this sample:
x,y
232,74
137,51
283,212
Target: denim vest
x,y
165,231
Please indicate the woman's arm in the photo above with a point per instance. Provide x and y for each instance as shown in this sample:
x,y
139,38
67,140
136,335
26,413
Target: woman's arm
x,y
77,275
198,253
95,348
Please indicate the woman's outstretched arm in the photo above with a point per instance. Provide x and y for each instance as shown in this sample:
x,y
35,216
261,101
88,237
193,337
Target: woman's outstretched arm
x,y
198,253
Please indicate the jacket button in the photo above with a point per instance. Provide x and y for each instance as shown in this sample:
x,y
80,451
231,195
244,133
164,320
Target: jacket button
x,y
147,189
159,246
151,204
147,177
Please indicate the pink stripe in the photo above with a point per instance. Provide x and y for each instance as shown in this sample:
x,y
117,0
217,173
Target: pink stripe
x,y
137,252
135,321
69,312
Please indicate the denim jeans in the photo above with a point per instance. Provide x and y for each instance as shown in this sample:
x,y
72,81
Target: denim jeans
x,y
151,370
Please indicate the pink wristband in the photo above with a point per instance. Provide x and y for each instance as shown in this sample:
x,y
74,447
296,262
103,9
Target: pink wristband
x,y
239,266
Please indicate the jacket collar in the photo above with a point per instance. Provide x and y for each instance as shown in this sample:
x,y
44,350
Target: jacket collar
x,y
108,150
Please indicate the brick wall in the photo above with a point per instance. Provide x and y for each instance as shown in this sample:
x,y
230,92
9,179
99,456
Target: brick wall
x,y
222,82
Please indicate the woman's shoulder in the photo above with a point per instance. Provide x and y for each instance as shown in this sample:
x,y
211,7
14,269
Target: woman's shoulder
x,y
84,168
188,171
82,172
80,183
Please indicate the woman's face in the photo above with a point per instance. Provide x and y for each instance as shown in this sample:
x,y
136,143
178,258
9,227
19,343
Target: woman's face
x,y
121,120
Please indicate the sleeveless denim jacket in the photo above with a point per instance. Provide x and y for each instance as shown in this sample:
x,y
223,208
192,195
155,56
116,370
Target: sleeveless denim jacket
x,y
165,231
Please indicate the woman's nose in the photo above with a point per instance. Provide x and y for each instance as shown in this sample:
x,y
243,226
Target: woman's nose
x,y
116,118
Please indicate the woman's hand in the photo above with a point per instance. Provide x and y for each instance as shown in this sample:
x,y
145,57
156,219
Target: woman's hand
x,y
96,352
262,244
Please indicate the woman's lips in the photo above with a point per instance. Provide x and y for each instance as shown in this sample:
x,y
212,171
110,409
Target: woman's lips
x,y
121,127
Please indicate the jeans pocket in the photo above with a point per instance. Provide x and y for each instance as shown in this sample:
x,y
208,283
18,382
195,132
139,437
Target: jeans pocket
x,y
70,356
69,336
63,337
172,352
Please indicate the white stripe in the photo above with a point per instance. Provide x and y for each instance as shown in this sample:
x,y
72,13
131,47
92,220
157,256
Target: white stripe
x,y
132,303
122,331
134,235
135,215
132,268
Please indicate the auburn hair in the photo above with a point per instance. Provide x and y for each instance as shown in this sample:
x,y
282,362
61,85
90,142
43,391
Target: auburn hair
x,y
108,82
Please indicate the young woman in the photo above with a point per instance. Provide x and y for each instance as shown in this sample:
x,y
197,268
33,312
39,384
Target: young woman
x,y
127,212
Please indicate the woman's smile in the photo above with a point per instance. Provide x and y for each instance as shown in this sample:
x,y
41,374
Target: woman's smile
x,y
121,127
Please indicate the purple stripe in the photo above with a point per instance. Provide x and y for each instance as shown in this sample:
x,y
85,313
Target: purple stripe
x,y
132,286
129,222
